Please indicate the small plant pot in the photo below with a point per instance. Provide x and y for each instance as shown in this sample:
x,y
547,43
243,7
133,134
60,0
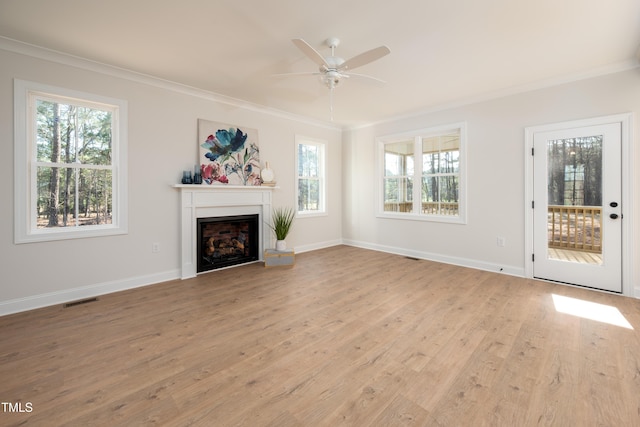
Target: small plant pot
x,y
281,245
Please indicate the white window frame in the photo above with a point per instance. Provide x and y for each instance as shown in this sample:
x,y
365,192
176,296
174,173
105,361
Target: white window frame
x,y
417,136
25,156
322,178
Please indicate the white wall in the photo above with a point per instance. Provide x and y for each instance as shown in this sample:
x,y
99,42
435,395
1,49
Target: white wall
x,y
495,176
162,142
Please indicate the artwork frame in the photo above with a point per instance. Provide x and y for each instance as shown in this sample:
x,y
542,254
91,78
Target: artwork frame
x,y
228,154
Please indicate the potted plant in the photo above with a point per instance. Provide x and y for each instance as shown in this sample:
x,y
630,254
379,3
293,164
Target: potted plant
x,y
282,221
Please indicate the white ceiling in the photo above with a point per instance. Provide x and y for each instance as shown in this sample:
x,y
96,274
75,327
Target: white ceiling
x,y
443,52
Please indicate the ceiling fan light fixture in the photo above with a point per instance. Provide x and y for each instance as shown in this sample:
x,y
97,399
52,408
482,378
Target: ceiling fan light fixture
x,y
331,78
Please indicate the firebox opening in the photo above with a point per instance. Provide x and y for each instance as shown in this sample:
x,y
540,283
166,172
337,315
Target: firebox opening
x,y
227,241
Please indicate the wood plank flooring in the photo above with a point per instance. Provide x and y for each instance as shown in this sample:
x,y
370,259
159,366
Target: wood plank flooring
x,y
347,337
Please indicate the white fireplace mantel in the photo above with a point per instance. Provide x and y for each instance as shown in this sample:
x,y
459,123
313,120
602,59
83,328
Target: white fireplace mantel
x,y
203,201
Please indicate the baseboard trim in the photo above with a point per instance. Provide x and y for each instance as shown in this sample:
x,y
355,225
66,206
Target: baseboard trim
x,y
315,246
45,300
462,262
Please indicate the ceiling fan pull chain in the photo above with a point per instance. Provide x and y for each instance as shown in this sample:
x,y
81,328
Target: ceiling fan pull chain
x,y
331,102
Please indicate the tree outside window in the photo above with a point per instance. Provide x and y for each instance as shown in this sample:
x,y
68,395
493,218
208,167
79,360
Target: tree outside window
x,y
74,177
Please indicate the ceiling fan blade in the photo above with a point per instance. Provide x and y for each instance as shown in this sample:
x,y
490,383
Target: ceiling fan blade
x,y
364,76
304,73
311,53
365,58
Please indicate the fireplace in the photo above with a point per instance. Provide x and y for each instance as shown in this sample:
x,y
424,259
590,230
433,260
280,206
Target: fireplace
x,y
216,201
226,241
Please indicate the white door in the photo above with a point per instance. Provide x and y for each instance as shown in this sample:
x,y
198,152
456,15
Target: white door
x,y
577,212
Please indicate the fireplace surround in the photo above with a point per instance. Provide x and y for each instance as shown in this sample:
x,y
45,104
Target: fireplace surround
x,y
208,201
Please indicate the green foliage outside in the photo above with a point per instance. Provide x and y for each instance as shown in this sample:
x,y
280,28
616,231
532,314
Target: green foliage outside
x,y
73,165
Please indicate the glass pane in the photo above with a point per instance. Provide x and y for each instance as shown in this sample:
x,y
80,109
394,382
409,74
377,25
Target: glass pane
x,y
50,183
398,195
450,161
430,163
308,160
409,165
408,191
95,204
574,188
301,159
441,153
440,195
391,194
73,134
450,141
398,158
308,195
449,191
392,164
430,195
69,197
94,137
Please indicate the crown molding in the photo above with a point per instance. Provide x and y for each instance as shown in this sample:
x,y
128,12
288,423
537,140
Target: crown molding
x,y
22,48
514,90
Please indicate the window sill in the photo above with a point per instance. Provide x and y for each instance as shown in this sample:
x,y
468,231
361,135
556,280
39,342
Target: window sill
x,y
420,217
66,234
311,214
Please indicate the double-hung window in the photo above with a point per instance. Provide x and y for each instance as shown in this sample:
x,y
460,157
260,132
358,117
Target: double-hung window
x,y
311,180
422,174
70,151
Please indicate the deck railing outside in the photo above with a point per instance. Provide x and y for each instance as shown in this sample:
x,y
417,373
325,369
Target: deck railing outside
x,y
575,228
429,208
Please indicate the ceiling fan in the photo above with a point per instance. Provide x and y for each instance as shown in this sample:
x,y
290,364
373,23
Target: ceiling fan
x,y
333,69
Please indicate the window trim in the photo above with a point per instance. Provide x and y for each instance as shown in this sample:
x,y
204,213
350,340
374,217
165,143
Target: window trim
x,y
322,144
25,159
416,215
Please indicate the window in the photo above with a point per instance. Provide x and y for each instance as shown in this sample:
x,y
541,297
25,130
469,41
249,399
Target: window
x,y
431,188
70,150
311,176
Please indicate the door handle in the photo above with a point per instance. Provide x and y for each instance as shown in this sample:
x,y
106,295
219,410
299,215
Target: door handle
x,y
613,216
613,204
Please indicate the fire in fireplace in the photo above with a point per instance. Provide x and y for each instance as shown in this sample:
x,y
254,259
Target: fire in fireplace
x,y
226,241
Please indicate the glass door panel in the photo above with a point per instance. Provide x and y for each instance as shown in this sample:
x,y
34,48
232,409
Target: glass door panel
x,y
574,210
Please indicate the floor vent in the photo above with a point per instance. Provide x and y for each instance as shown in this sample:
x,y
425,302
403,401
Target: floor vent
x,y
82,301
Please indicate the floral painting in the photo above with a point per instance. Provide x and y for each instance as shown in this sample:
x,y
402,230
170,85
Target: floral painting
x,y
228,154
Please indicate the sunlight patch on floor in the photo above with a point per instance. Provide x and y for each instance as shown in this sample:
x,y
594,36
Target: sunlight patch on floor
x,y
590,310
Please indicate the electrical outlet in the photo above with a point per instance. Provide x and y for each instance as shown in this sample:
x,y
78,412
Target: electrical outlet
x,y
501,241
155,248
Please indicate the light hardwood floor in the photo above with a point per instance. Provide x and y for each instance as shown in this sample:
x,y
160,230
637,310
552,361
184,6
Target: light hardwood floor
x,y
346,337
